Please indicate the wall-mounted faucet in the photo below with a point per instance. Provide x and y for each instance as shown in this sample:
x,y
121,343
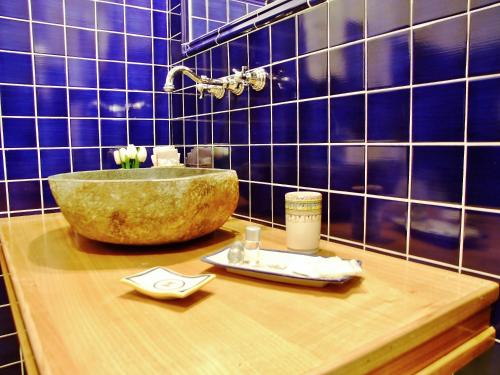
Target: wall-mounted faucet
x,y
235,83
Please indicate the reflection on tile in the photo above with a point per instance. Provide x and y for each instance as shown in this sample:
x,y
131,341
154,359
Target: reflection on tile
x,y
426,10
52,132
346,69
240,161
47,11
54,162
484,116
82,73
50,70
24,195
389,116
260,125
243,207
86,159
388,170
84,132
485,42
483,176
311,26
113,132
21,164
481,241
140,105
347,119
110,17
112,104
283,39
284,80
285,165
285,123
221,157
438,113
389,61
386,224
346,216
239,127
258,51
439,51
313,166
48,39
51,102
313,76
387,15
313,121
80,13
347,168
279,203
81,43
260,163
111,46
346,21
19,132
435,233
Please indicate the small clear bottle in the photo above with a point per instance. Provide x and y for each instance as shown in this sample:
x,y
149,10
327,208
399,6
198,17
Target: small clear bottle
x,y
252,245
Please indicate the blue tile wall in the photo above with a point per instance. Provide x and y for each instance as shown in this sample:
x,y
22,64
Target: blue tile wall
x,y
387,107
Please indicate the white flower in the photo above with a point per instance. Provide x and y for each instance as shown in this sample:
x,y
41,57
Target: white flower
x,y
142,154
131,151
117,157
123,155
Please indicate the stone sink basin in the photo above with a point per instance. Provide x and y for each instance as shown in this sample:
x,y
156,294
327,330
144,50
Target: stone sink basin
x,y
146,206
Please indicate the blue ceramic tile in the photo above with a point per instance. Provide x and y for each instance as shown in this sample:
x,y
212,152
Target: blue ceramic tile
x,y
260,163
279,203
85,133
258,48
19,132
387,15
262,97
199,9
240,161
285,165
111,75
4,299
160,51
83,103
220,61
80,13
238,56
347,119
51,102
160,75
139,3
388,170
389,116
138,21
15,9
162,132
439,113
15,35
113,132
140,105
221,127
481,241
85,159
346,216
48,39
47,11
17,101
313,75
220,104
386,224
484,117
112,104
389,61
283,39
53,132
203,66
190,133
284,81
313,166
15,68
205,105
141,132
313,121
236,10
347,168
435,233
239,127
82,73
204,129
6,321
243,206
48,198
139,49
261,201
483,176
81,43
159,24
110,17
346,69
346,21
285,123
260,125
140,77
50,70
111,46
175,24
481,3
21,164
190,97
54,162
217,10
426,10
24,195
439,51
161,106
177,128
485,42
437,173
312,29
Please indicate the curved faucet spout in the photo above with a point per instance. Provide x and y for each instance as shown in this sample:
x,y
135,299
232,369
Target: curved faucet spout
x,y
169,82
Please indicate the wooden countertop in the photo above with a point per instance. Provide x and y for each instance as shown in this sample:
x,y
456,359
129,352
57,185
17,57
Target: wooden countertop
x,y
79,319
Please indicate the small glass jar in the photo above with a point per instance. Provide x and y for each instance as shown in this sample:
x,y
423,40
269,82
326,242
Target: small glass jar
x,y
303,221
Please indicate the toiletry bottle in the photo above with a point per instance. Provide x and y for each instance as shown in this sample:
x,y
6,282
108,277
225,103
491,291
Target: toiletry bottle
x,y
252,245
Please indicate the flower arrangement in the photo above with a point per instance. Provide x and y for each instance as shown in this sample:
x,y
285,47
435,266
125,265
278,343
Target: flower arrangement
x,y
130,157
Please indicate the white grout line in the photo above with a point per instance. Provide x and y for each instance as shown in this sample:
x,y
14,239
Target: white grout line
x,y
4,162
153,100
99,120
365,143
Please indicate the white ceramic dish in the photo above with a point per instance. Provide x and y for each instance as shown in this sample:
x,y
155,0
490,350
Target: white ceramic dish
x,y
219,258
162,283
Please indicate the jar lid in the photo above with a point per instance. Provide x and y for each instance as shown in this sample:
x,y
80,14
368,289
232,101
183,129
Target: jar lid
x,y
252,233
303,196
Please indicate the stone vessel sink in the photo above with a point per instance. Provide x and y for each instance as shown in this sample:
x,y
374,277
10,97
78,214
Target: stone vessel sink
x,y
146,206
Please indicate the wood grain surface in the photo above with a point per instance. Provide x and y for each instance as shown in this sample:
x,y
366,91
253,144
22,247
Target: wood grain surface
x,y
81,320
